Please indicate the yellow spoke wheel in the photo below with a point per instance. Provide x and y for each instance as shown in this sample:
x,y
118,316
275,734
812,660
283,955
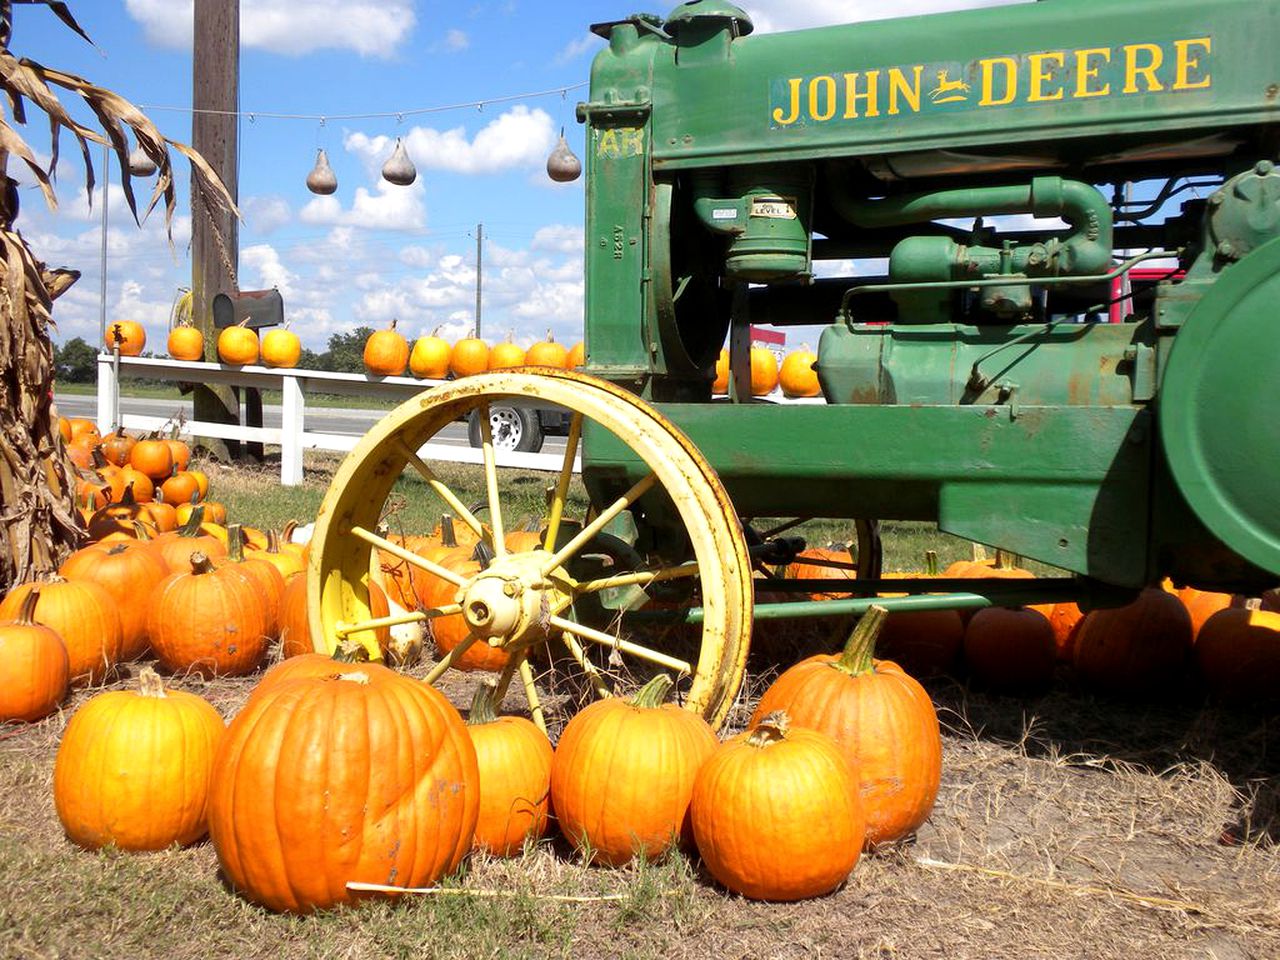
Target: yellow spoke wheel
x,y
518,599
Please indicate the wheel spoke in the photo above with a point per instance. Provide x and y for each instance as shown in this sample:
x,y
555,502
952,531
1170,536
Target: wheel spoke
x,y
491,481
408,556
504,678
442,490
638,490
448,659
396,619
531,692
623,646
556,511
593,673
637,578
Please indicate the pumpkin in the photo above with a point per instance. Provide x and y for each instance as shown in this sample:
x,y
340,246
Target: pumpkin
x,y
1238,653
880,718
116,447
386,352
153,458
64,429
83,427
263,574
160,515
80,450
35,672
129,570
133,768
281,348
429,358
805,568
182,458
1063,618
776,813
1136,649
180,487
295,628
1203,604
1011,650
238,344
577,358
128,335
547,353
469,356
925,643
514,759
202,481
720,386
186,343
288,562
764,371
83,614
448,632
363,776
208,621
312,664
506,354
623,772
797,376
176,548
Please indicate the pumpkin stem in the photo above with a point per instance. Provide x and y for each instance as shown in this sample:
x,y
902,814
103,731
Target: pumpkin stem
x,y
273,542
858,650
931,563
350,651
27,612
772,729
394,321
358,676
1005,560
141,531
447,535
653,693
192,527
200,564
235,542
127,498
1253,604
977,552
150,684
550,338
483,709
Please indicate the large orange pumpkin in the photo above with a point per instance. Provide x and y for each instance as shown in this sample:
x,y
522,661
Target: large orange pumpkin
x,y
186,343
261,573
623,772
547,353
116,447
577,358
129,570
764,371
207,621
295,628
469,356
281,348
152,457
133,768
366,776
128,335
880,717
83,614
506,354
429,358
797,376
238,345
776,813
1011,650
35,673
924,643
386,352
808,566
1137,649
514,759
192,537
1238,654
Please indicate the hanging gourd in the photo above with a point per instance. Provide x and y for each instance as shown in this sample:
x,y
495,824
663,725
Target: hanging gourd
x,y
563,166
322,179
399,168
140,164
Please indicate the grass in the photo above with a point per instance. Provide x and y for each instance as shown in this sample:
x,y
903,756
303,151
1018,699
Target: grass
x,y
149,390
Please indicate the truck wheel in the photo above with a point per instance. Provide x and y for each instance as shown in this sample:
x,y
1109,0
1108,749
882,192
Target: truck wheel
x,y
514,428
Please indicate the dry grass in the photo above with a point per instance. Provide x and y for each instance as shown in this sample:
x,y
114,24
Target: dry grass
x,y
1065,827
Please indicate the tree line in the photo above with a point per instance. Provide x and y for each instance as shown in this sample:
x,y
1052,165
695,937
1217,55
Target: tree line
x,y
76,360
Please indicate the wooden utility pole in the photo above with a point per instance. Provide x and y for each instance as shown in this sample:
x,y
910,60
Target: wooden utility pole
x,y
216,98
479,254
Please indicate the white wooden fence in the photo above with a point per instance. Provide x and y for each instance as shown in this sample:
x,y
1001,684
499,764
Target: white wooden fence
x,y
291,436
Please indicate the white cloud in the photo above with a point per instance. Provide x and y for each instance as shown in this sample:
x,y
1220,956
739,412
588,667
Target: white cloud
x,y
264,215
456,40
261,269
374,28
387,207
520,137
576,48
770,16
559,238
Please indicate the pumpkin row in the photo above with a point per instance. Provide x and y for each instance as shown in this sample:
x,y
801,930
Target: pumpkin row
x,y
855,748
795,375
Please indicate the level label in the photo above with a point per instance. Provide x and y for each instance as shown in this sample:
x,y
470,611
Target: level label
x,y
1046,76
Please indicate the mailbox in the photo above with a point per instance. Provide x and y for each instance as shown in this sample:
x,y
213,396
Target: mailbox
x,y
264,308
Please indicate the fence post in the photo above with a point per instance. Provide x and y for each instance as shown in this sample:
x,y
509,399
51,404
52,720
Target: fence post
x,y
108,393
292,414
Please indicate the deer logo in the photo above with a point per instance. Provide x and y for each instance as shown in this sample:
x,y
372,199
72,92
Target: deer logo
x,y
948,90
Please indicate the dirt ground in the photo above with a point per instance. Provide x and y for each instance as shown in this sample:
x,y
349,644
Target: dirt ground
x,y
1066,826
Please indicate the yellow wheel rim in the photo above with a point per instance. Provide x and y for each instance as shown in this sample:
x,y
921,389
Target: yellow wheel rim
x,y
345,534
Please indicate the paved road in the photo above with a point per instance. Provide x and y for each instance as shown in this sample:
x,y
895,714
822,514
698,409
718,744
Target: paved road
x,y
319,419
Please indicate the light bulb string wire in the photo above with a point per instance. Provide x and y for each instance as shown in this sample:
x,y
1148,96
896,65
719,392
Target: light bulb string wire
x,y
398,115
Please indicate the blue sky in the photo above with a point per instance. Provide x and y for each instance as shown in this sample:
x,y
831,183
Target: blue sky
x,y
372,251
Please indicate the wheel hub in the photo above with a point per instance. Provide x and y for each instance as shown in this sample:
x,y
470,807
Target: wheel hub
x,y
507,604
